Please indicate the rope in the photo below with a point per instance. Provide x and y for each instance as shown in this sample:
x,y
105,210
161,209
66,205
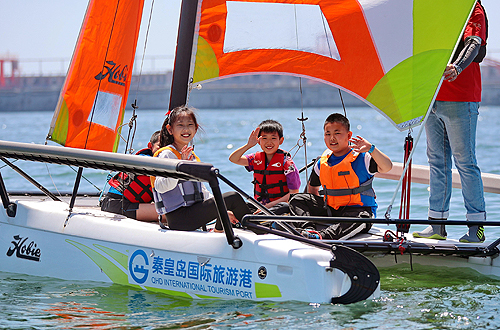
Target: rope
x,y
52,179
301,119
132,121
96,187
342,101
144,50
389,208
404,210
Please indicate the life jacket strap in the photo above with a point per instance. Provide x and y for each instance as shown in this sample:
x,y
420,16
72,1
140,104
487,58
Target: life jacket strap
x,y
344,192
267,172
264,188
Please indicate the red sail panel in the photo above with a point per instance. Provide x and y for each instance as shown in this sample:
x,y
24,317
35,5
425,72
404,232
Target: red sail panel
x,y
92,102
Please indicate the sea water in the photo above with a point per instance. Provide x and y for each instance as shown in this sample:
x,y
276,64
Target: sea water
x,y
425,298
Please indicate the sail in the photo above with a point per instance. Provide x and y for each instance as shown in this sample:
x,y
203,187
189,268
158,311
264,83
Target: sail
x,y
91,105
389,53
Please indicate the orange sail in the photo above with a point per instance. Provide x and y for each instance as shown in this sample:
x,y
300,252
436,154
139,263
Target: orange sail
x,y
378,51
91,106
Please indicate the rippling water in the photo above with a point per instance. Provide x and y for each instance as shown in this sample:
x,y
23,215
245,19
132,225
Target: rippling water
x,y
425,298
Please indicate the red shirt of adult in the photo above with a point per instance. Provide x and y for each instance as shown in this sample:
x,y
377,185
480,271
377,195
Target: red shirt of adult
x,y
467,86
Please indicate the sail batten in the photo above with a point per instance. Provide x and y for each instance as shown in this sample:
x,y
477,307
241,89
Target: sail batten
x,y
391,54
93,98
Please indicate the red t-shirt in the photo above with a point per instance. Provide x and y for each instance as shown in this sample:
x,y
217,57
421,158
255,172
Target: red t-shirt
x,y
467,86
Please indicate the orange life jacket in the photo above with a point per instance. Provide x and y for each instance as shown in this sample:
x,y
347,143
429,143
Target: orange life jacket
x,y
178,154
340,183
269,183
135,188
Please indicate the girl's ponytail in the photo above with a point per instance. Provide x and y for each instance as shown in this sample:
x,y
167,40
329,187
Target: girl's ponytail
x,y
165,137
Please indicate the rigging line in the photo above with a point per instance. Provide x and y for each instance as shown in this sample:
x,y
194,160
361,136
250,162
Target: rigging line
x,y
30,179
389,208
301,119
96,187
15,160
144,50
132,121
342,101
52,179
131,124
331,56
99,84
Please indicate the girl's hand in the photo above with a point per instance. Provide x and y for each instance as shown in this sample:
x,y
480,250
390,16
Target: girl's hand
x,y
253,139
360,144
187,153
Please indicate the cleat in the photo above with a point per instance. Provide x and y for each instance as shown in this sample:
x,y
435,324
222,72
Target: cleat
x,y
432,232
474,235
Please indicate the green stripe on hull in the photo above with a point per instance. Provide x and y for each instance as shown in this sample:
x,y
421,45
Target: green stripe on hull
x,y
115,274
121,258
263,290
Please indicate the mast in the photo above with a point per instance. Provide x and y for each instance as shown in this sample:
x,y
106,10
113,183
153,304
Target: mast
x,y
183,53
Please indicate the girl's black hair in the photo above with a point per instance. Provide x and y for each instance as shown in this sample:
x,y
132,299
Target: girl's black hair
x,y
165,137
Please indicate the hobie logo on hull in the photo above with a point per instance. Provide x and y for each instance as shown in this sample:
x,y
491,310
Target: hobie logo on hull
x,y
114,74
24,251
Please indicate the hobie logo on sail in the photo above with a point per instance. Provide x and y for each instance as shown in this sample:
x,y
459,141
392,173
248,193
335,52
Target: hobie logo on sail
x,y
114,74
24,251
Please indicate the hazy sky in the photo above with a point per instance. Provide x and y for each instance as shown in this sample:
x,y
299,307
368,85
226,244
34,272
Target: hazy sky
x,y
48,29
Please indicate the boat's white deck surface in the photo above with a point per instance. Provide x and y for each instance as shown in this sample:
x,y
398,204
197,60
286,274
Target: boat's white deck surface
x,y
376,234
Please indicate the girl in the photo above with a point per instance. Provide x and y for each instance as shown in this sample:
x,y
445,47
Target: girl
x,y
188,205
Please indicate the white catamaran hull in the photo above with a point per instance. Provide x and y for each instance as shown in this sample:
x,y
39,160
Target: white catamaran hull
x,y
100,246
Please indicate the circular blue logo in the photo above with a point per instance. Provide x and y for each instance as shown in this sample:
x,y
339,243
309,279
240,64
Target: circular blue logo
x,y
139,272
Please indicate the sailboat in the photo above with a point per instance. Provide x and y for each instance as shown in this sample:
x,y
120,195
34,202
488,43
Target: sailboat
x,y
220,39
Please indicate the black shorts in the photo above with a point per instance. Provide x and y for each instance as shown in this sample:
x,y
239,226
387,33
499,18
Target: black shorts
x,y
120,205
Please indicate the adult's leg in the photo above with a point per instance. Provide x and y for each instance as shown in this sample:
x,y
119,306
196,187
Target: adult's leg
x,y
461,123
439,157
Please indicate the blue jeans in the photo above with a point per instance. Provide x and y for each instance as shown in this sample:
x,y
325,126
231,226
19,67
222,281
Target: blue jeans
x,y
451,130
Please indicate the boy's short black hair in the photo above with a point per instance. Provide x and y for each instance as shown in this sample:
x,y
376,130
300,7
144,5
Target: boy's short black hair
x,y
338,118
155,137
271,126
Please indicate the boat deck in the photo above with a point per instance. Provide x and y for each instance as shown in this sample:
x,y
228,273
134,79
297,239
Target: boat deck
x,y
83,200
370,243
